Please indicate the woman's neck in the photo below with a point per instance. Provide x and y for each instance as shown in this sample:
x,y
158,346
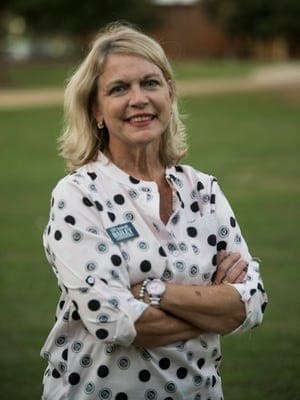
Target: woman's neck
x,y
141,163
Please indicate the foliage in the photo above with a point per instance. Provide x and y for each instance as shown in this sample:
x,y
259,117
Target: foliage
x,y
258,19
77,17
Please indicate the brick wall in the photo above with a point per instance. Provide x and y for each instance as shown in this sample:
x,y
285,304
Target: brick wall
x,y
186,33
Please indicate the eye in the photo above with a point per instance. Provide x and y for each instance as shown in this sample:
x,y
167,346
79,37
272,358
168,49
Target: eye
x,y
118,89
151,83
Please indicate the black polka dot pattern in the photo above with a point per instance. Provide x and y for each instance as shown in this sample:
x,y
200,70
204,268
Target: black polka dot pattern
x,y
116,260
162,252
121,396
102,333
179,168
75,304
212,240
144,375
94,305
232,222
87,202
65,354
99,206
200,362
74,378
119,199
181,373
145,266
55,374
164,363
92,175
222,245
195,206
58,235
112,216
90,347
103,371
75,315
200,186
134,180
70,219
192,231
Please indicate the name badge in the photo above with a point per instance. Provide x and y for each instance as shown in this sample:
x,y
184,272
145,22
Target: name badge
x,y
122,232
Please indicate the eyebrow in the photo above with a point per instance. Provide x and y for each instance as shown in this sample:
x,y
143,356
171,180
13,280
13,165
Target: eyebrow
x,y
121,81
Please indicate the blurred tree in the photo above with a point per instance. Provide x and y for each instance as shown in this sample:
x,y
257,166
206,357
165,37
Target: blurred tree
x,y
3,68
259,19
78,17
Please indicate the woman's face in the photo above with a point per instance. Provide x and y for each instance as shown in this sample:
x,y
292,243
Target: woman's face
x,y
134,101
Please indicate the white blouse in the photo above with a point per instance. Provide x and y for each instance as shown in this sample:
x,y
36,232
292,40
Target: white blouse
x,y
105,235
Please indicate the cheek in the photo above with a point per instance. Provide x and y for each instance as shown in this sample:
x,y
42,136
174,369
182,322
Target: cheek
x,y
113,110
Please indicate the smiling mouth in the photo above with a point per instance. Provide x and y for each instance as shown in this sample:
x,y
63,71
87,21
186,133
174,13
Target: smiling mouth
x,y
141,118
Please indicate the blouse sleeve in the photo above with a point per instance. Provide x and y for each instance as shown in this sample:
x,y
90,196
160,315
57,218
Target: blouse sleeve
x,y
90,266
229,237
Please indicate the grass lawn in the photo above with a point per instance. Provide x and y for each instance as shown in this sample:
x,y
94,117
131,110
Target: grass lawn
x,y
47,74
216,69
251,143
37,74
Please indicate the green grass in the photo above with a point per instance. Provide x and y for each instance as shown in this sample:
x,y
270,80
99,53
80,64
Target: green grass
x,y
215,69
36,74
250,142
48,74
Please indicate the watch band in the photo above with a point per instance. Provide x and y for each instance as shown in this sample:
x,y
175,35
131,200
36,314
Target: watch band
x,y
143,288
155,289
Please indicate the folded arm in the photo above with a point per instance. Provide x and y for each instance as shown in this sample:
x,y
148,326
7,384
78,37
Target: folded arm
x,y
186,311
158,328
216,309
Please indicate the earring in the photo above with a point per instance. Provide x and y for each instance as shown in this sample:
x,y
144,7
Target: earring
x,y
100,124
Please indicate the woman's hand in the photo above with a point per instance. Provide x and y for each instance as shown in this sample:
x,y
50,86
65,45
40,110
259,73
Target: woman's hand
x,y
230,268
135,290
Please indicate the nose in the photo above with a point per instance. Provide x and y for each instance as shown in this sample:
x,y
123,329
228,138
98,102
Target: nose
x,y
138,97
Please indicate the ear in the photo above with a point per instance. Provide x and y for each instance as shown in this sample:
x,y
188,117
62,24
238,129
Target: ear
x,y
97,114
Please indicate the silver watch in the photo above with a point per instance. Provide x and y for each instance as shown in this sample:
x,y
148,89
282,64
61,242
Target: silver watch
x,y
155,289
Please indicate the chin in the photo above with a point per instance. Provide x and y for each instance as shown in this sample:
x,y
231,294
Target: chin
x,y
146,137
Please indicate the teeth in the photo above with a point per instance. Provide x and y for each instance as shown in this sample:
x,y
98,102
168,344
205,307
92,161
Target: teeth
x,y
141,118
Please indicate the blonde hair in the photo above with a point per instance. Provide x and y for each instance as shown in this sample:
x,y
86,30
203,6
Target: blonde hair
x,y
82,139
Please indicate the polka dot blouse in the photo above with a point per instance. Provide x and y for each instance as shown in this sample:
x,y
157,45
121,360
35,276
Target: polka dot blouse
x,y
105,235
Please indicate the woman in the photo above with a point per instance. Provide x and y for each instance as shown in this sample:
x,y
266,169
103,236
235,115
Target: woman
x,y
148,254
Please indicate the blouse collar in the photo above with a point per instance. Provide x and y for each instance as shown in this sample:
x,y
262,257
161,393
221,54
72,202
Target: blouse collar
x,y
112,171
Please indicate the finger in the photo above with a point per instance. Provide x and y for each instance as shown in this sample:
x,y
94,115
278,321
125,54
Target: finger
x,y
235,271
225,265
241,278
221,256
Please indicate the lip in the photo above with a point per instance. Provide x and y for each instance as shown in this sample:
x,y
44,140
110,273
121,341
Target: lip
x,y
140,118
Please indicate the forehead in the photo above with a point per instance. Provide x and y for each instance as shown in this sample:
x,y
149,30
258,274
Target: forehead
x,y
127,66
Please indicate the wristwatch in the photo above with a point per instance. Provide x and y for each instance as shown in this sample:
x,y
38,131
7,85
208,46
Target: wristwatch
x,y
155,289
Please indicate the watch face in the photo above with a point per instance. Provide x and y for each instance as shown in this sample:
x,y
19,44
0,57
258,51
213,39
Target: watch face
x,y
156,287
